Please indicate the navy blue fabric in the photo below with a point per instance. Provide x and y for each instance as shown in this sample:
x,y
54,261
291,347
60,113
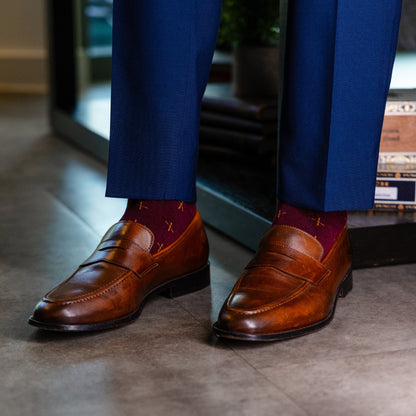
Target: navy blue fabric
x,y
338,67
339,60
162,53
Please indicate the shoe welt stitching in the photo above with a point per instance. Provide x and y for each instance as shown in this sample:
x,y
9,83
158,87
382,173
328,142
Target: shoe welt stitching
x,y
274,306
94,293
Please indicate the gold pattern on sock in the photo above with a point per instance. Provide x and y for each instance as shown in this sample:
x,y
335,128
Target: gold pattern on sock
x,y
142,206
180,207
160,245
169,224
318,222
280,213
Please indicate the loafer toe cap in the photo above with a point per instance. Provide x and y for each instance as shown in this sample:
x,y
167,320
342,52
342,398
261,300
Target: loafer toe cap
x,y
50,312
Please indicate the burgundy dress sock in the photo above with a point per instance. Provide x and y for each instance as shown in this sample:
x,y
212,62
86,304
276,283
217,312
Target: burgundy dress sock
x,y
166,219
324,226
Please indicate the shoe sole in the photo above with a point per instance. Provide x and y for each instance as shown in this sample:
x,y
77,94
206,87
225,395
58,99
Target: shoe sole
x,y
179,286
344,288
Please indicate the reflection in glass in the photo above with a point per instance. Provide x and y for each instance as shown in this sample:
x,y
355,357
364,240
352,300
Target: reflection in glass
x,y
93,54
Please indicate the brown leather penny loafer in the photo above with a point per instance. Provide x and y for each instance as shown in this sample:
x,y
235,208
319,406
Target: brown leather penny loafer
x,y
287,290
110,288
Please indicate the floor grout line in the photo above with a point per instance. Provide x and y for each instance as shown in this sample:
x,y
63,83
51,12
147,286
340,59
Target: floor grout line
x,y
291,399
72,212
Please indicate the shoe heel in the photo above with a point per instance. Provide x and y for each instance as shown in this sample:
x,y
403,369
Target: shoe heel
x,y
188,283
346,286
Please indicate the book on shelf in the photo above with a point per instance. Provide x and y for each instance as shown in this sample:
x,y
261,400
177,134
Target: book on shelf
x,y
395,190
219,99
398,136
229,122
220,153
396,171
245,127
249,143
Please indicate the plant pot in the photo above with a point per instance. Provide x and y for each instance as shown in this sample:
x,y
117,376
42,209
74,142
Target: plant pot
x,y
255,71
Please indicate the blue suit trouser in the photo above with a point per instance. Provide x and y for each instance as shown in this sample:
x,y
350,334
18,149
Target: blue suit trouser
x,y
339,59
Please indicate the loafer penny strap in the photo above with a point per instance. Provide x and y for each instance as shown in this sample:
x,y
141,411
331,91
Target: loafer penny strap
x,y
128,230
122,253
291,262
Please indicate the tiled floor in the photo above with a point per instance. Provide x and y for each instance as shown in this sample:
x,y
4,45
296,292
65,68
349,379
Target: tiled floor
x,y
52,213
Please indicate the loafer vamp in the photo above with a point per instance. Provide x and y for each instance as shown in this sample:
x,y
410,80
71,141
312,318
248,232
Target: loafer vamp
x,y
286,287
86,282
262,288
109,288
113,302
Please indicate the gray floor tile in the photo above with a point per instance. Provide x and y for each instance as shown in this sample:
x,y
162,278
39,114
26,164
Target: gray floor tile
x,y
164,363
374,384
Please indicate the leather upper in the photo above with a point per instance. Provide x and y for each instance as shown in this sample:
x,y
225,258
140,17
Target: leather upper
x,y
114,280
287,285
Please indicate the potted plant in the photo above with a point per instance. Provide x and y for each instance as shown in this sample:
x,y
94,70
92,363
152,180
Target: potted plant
x,y
252,28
